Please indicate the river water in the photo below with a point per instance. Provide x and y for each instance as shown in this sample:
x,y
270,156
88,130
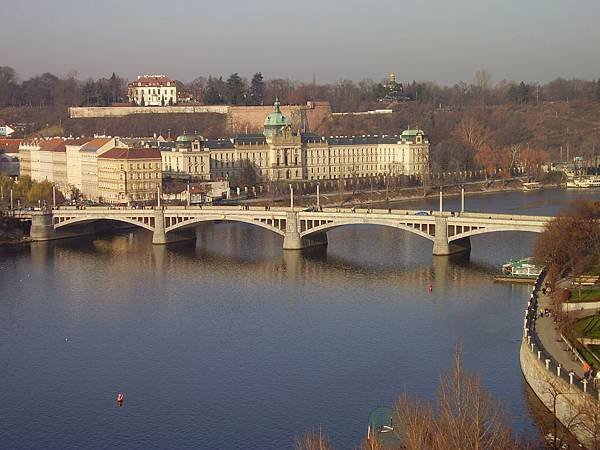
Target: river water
x,y
232,343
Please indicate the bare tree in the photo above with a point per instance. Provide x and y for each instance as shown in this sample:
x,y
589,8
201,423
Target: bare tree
x,y
312,441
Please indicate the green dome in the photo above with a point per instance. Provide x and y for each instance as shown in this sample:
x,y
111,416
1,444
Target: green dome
x,y
275,121
189,138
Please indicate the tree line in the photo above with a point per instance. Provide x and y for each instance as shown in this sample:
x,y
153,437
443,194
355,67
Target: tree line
x,y
344,95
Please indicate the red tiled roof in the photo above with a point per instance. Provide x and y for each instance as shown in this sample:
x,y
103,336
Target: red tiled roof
x,y
10,145
131,153
77,141
95,144
53,145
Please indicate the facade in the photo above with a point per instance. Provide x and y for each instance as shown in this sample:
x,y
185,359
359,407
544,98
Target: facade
x,y
186,159
9,156
152,90
73,152
89,165
129,174
44,160
280,154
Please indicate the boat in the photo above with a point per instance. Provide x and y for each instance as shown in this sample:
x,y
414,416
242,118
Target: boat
x,y
532,186
584,182
523,269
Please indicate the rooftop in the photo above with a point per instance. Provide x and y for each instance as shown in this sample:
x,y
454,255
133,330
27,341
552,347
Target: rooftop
x,y
131,153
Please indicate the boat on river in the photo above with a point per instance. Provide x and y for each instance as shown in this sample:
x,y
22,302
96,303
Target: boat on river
x,y
532,186
584,182
520,270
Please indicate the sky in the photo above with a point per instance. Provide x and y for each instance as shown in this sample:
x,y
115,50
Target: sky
x,y
445,41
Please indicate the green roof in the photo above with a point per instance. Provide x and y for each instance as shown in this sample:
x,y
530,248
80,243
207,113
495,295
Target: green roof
x,y
275,121
189,138
410,132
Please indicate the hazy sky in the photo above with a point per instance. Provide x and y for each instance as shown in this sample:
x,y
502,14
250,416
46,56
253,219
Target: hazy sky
x,y
441,40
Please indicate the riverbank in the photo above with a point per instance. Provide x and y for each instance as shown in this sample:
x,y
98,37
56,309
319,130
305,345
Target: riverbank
x,y
553,370
383,197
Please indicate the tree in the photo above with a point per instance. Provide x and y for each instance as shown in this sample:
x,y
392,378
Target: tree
x,y
312,441
235,89
214,93
466,416
257,89
598,89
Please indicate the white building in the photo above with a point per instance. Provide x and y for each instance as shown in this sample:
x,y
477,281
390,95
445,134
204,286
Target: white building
x,y
153,90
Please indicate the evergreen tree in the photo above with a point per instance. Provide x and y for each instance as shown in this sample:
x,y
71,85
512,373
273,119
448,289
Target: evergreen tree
x,y
257,89
213,94
235,89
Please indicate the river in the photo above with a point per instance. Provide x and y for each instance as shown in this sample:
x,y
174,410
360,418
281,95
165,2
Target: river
x,y
232,343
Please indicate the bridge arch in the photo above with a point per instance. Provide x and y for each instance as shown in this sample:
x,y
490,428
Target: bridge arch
x,y
88,219
225,218
487,230
386,223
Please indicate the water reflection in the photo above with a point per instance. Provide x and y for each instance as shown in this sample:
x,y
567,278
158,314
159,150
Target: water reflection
x,y
232,325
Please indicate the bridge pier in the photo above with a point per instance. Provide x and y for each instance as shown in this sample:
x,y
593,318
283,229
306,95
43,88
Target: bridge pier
x,y
292,239
441,246
42,227
159,237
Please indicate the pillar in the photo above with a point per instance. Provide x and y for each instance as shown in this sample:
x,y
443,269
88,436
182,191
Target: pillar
x,y
160,235
292,239
441,247
462,199
42,227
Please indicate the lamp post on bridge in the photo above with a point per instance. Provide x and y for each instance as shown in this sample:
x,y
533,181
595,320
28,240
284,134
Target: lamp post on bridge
x,y
441,200
318,199
462,198
53,196
291,197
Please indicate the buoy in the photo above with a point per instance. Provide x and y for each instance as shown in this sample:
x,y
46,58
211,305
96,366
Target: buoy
x,y
120,398
431,288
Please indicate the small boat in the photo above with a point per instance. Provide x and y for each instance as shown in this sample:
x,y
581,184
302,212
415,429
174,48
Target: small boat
x,y
386,429
532,186
120,398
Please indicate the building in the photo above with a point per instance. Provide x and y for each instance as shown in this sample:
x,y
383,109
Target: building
x,y
279,153
152,90
73,152
129,174
9,157
89,165
187,159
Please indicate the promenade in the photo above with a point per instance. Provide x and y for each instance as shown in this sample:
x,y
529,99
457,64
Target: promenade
x,y
551,339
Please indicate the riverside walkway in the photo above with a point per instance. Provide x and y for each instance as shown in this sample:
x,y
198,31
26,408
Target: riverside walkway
x,y
552,340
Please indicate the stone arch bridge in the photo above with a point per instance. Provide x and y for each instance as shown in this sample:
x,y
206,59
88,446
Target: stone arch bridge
x,y
449,232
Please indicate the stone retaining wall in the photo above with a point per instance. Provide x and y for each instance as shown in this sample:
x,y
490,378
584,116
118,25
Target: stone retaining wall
x,y
566,396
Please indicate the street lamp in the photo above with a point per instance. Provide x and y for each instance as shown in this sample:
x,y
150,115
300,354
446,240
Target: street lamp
x,y
125,179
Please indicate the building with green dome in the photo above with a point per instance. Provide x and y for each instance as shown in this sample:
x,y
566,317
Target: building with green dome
x,y
282,153
276,124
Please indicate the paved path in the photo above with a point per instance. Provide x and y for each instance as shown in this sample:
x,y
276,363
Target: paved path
x,y
550,337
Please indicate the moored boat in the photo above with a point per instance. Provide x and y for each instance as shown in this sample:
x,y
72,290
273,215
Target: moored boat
x,y
521,268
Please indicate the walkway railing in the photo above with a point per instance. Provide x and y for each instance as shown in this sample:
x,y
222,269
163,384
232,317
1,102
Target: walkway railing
x,y
544,358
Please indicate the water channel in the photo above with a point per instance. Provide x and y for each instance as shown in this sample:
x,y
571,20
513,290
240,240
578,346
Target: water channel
x,y
232,343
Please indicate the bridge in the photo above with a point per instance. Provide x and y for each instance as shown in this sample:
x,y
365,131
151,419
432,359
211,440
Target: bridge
x,y
449,232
